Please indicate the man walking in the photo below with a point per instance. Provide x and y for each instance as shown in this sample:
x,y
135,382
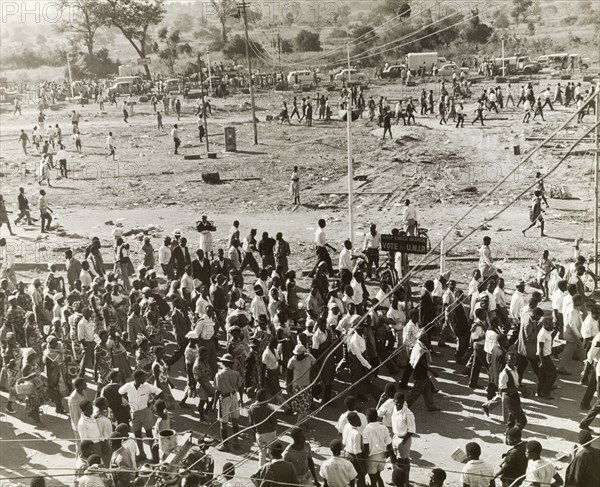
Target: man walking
x,y
176,139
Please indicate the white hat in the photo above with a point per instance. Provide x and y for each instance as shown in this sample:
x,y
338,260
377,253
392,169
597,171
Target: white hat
x,y
177,233
299,350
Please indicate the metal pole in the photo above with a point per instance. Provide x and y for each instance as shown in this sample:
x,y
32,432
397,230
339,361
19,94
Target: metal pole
x,y
203,104
503,72
209,71
350,162
250,83
597,183
70,77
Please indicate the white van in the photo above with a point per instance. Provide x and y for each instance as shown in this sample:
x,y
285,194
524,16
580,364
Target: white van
x,y
302,77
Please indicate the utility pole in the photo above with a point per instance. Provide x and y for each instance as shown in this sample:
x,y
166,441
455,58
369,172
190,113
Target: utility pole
x,y
209,71
279,49
203,103
350,162
70,78
242,8
597,183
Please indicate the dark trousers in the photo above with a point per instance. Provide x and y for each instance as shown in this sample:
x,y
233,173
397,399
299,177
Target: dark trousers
x,y
590,389
406,375
514,412
177,144
63,167
421,388
88,357
462,348
46,219
358,464
522,362
591,415
373,260
249,260
478,361
177,354
546,376
323,256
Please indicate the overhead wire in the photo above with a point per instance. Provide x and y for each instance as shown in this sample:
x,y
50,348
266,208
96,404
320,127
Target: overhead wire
x,y
420,264
483,198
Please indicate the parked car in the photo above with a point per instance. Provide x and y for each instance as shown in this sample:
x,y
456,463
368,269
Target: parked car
x,y
354,75
394,71
447,69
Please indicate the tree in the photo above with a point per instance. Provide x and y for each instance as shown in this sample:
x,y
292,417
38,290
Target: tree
x,y
224,9
170,47
308,41
520,8
365,32
82,19
236,47
287,46
133,18
396,7
531,27
184,22
476,32
501,21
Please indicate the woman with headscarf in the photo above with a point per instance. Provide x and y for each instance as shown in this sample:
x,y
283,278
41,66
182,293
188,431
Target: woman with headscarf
x,y
32,372
53,283
95,255
205,228
118,355
102,361
109,313
35,290
12,359
121,305
299,368
292,296
33,337
54,362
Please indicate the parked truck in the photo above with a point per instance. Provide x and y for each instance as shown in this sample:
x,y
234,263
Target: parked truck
x,y
415,60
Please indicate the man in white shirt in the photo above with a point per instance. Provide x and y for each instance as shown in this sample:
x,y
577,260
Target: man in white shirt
x,y
572,334
376,443
359,365
371,248
357,288
350,403
448,300
540,471
476,473
85,335
337,471
176,139
61,157
558,297
403,427
589,327
547,370
508,383
321,247
7,269
139,394
517,302
410,335
486,262
164,258
409,219
87,427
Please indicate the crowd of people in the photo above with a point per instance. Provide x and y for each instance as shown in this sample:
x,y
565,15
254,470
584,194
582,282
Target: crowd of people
x,y
254,341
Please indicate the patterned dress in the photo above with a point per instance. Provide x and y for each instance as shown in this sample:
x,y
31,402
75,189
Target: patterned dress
x,y
103,359
38,396
190,356
161,374
203,376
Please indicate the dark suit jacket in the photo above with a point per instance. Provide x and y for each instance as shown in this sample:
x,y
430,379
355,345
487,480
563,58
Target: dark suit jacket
x,y
497,363
218,267
201,270
515,463
427,309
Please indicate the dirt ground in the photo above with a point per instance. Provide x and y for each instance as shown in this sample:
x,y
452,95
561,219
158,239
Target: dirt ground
x,y
443,170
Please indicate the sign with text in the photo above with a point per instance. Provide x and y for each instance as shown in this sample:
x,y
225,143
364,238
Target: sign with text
x,y
144,60
404,243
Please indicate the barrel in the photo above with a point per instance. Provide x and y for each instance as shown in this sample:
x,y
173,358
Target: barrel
x,y
167,441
